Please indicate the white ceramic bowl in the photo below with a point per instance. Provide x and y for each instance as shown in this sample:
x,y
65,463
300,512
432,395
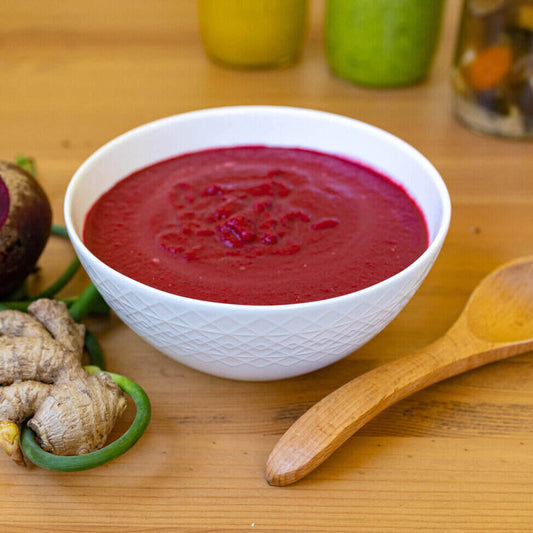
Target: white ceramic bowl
x,y
257,342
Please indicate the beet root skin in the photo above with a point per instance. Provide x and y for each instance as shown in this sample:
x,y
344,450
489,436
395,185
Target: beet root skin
x,y
26,229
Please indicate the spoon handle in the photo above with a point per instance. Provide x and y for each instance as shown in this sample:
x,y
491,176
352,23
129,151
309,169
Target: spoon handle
x,y
330,422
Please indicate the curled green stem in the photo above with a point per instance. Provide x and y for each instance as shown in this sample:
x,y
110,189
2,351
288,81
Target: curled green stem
x,y
59,230
67,275
97,458
98,305
85,302
21,299
18,306
96,354
24,304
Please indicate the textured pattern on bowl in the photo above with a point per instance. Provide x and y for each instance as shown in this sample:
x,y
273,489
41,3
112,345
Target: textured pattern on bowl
x,y
257,342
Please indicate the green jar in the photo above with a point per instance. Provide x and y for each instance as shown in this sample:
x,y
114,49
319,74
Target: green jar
x,y
382,43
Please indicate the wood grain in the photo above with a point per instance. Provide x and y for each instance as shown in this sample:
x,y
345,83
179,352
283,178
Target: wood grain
x,y
496,323
454,457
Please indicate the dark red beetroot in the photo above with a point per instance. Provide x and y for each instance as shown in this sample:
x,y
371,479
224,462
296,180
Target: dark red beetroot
x,y
25,224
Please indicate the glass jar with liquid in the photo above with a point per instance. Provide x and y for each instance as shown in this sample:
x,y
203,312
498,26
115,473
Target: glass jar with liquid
x,y
253,33
493,68
382,43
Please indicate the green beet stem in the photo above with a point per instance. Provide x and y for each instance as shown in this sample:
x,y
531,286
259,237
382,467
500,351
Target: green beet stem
x,y
27,163
94,349
84,302
67,275
59,230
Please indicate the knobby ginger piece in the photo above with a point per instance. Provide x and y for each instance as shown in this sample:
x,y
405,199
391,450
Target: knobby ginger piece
x,y
70,411
77,416
20,400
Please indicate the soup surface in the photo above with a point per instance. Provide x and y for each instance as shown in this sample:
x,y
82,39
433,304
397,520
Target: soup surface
x,y
256,225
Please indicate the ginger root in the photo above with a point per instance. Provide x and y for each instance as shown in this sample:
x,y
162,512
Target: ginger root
x,y
70,411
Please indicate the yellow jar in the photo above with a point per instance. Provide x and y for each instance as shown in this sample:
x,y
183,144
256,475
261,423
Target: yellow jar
x,y
253,33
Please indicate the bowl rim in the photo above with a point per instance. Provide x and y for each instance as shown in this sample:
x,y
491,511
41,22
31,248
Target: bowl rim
x,y
432,249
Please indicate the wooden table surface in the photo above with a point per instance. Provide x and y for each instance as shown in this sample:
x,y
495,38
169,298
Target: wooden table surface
x,y
455,457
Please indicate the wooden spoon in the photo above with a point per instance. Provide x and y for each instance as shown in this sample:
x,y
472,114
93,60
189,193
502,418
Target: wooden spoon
x,y
496,323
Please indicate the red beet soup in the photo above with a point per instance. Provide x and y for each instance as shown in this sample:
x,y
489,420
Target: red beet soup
x,y
257,225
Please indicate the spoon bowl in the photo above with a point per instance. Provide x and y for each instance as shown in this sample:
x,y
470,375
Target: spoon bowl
x,y
501,307
496,323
